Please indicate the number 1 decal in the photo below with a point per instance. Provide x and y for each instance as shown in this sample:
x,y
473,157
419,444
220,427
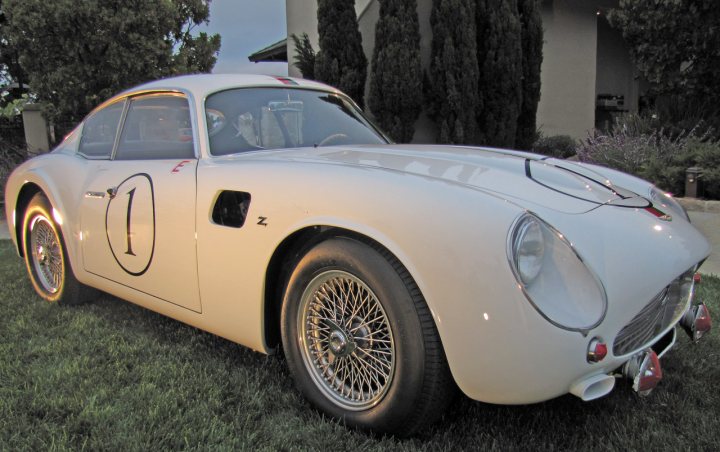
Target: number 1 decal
x,y
129,251
130,227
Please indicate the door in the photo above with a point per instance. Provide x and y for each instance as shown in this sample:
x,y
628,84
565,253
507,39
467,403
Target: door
x,y
138,208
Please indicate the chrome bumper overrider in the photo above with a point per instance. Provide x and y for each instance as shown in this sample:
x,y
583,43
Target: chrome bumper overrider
x,y
643,368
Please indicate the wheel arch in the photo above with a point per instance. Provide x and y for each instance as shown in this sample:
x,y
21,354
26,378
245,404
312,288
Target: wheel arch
x,y
289,252
34,184
26,193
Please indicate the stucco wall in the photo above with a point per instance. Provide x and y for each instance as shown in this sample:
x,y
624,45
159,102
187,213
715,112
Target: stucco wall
x,y
567,99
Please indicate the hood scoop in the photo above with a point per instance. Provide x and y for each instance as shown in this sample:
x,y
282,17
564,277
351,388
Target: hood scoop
x,y
581,183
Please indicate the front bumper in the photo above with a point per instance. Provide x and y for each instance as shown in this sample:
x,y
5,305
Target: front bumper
x,y
556,362
643,368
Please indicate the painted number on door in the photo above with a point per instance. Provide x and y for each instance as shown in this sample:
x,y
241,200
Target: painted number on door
x,y
130,224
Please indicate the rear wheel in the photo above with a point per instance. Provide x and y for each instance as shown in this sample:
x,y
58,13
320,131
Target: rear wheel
x,y
360,340
46,256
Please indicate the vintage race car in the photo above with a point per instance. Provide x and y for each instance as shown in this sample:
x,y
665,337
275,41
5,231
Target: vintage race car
x,y
269,211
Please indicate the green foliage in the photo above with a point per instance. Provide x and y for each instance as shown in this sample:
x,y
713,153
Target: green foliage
x,y
499,57
10,70
395,97
637,145
532,47
670,174
675,44
453,79
560,146
110,375
77,54
12,150
15,106
304,56
197,54
706,155
341,62
676,114
631,144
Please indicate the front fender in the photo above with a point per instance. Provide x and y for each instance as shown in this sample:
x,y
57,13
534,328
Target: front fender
x,y
50,178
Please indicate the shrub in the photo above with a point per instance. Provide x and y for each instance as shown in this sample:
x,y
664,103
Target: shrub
x,y
532,46
706,155
560,146
12,153
499,51
635,146
341,61
395,97
304,56
453,77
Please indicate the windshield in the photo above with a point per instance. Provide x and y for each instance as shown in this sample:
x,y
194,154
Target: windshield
x,y
248,119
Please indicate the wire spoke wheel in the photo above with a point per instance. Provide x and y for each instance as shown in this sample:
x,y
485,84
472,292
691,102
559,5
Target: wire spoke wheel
x,y
347,341
46,254
360,340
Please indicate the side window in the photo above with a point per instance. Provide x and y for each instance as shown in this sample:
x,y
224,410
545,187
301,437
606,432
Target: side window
x,y
157,127
99,131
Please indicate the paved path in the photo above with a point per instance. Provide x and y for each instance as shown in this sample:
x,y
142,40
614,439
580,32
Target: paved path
x,y
4,233
709,225
705,215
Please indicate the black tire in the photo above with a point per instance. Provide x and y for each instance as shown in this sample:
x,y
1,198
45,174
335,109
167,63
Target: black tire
x,y
46,257
374,360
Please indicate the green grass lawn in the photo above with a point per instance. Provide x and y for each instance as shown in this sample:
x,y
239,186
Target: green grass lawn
x,y
110,375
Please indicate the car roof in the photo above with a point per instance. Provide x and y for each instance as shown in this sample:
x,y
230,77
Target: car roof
x,y
202,85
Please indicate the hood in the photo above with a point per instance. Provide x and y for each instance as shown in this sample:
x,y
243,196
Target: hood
x,y
516,176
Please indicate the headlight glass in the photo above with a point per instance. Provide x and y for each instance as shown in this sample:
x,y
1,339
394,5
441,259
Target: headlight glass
x,y
530,250
665,201
553,277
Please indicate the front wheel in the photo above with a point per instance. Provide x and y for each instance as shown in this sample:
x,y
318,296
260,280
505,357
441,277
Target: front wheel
x,y
360,340
46,256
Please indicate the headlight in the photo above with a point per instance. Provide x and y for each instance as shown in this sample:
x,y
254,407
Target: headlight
x,y
665,201
530,250
553,277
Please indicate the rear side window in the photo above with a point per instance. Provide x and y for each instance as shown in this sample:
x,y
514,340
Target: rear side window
x,y
157,126
99,131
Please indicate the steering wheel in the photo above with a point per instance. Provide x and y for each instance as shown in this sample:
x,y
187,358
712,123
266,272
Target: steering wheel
x,y
331,138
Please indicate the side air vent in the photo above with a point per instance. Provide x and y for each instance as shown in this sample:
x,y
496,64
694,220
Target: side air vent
x,y
231,208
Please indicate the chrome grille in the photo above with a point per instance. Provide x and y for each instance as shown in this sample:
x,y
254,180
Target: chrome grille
x,y
662,311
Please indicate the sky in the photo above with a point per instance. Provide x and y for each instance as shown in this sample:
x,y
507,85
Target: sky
x,y
245,27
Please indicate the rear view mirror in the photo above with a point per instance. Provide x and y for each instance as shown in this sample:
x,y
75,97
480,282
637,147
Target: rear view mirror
x,y
286,105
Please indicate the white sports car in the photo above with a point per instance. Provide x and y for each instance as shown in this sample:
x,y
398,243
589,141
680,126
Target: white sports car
x,y
269,211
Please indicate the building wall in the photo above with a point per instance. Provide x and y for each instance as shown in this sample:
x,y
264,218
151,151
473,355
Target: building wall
x,y
567,93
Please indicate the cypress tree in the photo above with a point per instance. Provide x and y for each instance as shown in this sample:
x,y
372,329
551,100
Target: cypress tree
x,y
453,84
499,54
532,44
340,62
396,79
304,56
